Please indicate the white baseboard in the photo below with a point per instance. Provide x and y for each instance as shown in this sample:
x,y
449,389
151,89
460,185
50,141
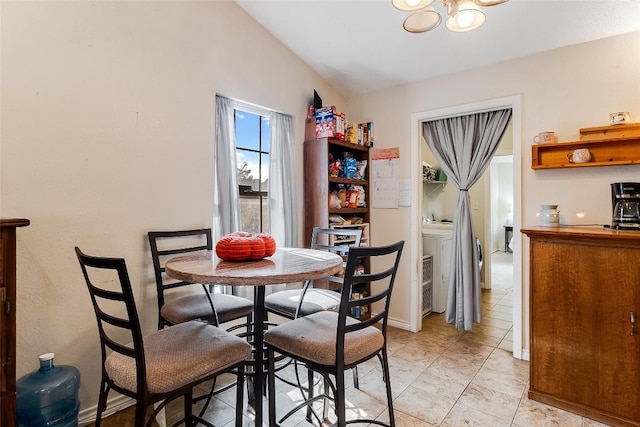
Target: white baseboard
x,y
117,404
400,324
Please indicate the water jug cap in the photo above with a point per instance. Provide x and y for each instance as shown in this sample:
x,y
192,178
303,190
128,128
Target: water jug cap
x,y
46,356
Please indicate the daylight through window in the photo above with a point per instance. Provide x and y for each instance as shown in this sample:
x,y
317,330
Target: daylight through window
x,y
252,153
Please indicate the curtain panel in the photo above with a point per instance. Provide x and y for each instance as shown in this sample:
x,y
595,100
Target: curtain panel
x,y
464,146
226,199
282,190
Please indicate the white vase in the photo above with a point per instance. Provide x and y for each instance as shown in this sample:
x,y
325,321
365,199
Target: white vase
x,y
549,215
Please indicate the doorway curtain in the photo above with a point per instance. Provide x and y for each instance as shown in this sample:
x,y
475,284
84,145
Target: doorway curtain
x,y
464,146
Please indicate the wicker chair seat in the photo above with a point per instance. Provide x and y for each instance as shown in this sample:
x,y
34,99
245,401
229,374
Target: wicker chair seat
x,y
285,303
314,338
179,355
192,307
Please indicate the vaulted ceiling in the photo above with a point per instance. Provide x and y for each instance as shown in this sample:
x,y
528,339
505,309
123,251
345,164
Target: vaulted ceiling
x,y
359,46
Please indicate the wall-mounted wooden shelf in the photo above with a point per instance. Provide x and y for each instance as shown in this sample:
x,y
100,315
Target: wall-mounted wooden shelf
x,y
604,152
607,132
348,181
348,210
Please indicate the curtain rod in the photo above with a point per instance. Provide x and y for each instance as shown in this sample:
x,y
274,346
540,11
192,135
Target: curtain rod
x,y
251,107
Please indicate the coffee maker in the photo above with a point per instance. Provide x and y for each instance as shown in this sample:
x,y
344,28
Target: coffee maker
x,y
625,198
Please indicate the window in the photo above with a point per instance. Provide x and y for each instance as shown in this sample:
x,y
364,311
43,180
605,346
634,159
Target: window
x,y
252,153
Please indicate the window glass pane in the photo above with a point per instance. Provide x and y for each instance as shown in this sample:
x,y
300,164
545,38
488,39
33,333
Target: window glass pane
x,y
247,130
248,168
266,133
250,214
252,144
264,172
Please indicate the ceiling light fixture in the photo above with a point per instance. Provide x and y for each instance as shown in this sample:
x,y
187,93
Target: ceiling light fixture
x,y
411,5
463,15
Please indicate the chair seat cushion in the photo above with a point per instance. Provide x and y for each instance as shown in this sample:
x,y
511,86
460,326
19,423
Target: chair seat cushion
x,y
179,355
285,303
192,307
314,337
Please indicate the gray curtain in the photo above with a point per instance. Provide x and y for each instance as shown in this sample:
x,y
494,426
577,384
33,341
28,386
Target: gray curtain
x,y
464,146
283,218
225,189
226,199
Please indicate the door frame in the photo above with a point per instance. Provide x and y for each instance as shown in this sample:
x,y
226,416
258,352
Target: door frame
x,y
515,103
489,212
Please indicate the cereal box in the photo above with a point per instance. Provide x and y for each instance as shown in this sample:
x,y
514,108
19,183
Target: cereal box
x,y
325,122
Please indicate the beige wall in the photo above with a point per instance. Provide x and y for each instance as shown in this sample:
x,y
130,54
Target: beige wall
x,y
107,133
562,90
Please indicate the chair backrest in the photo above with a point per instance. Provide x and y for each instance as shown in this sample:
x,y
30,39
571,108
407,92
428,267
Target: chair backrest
x,y
337,240
384,261
115,309
166,244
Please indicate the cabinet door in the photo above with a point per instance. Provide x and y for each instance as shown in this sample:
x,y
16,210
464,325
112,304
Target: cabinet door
x,y
618,355
4,334
582,347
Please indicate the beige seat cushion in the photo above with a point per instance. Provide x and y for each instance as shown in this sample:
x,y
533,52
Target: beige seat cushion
x,y
192,307
313,338
315,300
179,355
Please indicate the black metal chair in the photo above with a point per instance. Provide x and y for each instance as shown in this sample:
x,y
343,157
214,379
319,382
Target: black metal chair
x,y
330,342
161,366
216,308
295,303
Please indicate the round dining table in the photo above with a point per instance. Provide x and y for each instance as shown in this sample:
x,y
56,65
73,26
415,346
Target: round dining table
x,y
286,265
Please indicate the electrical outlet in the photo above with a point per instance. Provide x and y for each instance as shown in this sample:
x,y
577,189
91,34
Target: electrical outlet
x,y
475,206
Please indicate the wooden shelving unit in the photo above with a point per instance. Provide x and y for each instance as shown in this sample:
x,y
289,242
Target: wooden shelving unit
x,y
605,132
608,145
318,185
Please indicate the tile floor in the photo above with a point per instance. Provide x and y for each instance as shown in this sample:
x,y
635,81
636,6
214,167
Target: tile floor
x,y
439,377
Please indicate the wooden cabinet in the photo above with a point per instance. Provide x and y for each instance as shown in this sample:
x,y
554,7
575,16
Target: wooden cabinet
x,y
585,322
318,185
608,145
8,319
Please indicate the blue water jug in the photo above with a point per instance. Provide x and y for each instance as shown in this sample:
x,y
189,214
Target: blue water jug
x,y
48,397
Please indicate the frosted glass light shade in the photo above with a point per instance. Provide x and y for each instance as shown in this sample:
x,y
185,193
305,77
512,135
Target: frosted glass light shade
x,y
467,18
422,21
410,5
486,3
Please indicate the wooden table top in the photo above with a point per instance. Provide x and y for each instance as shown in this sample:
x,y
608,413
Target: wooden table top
x,y
285,266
